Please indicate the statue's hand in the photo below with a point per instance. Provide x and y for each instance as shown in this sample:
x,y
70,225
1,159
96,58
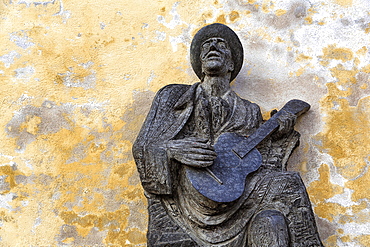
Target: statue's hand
x,y
286,121
191,151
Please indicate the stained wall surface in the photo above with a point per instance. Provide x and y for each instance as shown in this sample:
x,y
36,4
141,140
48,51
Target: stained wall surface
x,y
78,77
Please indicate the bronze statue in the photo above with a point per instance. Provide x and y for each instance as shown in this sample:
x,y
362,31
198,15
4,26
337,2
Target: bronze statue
x,y
213,171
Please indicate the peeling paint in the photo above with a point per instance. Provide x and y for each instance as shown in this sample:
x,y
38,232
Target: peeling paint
x,y
5,199
175,21
24,73
21,39
8,59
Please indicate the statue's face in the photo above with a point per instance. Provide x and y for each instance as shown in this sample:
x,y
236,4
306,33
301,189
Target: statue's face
x,y
216,57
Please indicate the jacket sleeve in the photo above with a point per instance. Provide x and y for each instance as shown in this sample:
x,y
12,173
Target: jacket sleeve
x,y
149,151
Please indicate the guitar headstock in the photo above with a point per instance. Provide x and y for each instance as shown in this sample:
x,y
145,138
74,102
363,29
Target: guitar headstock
x,y
296,107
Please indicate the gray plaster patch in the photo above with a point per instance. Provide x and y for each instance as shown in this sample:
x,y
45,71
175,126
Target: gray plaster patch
x,y
66,231
23,99
345,21
134,179
45,179
52,119
293,16
138,110
133,117
326,229
135,218
357,92
21,179
111,204
94,238
78,202
4,186
78,153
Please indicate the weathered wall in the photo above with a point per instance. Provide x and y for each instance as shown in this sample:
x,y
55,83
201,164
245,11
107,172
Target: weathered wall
x,y
77,79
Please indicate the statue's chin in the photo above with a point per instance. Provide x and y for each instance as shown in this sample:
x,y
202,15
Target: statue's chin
x,y
213,67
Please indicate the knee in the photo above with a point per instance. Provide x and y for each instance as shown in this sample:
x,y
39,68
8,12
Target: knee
x,y
268,228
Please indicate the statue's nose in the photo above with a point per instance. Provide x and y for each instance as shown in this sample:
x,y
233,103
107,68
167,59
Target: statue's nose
x,y
213,47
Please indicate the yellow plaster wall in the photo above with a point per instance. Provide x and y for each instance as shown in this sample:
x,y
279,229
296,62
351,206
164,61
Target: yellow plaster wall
x,y
77,79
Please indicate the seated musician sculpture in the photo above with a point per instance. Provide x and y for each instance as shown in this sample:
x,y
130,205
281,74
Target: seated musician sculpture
x,y
213,171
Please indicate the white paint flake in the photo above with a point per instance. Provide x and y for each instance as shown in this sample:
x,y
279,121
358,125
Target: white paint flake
x,y
343,199
71,79
356,229
28,164
150,78
176,20
5,199
35,3
24,73
21,39
175,41
8,59
161,36
66,14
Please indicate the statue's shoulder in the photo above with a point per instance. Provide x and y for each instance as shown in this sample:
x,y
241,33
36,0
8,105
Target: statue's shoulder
x,y
176,95
171,91
252,106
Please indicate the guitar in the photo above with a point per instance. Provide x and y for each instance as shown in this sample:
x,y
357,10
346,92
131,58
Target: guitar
x,y
237,156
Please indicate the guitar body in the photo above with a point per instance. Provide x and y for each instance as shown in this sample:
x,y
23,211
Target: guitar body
x,y
228,167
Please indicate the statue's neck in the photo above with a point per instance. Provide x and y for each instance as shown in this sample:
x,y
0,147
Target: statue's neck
x,y
216,85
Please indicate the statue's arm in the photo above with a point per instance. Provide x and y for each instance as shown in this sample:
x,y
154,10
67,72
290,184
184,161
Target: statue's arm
x,y
277,148
148,151
254,116
156,148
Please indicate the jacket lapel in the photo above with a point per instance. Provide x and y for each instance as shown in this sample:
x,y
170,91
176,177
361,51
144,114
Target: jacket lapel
x,y
183,109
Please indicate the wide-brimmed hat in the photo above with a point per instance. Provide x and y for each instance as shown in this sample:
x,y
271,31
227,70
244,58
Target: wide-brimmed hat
x,y
221,31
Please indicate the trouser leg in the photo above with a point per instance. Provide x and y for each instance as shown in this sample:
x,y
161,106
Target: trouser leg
x,y
268,229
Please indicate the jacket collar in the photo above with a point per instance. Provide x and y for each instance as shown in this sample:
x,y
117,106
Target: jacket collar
x,y
187,97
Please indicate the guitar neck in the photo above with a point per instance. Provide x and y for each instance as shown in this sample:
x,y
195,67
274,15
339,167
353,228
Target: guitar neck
x,y
296,107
